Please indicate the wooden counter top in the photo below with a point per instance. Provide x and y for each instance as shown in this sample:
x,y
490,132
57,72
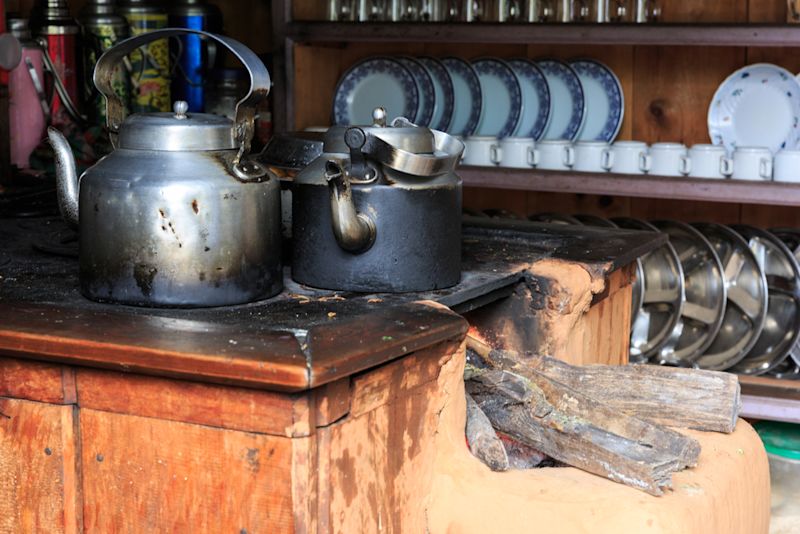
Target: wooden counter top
x,y
301,339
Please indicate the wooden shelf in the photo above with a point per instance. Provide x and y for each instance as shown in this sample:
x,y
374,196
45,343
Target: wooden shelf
x,y
770,398
735,191
584,34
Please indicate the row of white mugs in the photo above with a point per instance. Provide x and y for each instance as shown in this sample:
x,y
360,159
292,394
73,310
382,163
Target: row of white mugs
x,y
633,157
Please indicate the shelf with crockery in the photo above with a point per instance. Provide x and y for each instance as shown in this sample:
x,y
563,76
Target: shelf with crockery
x,y
751,35
641,185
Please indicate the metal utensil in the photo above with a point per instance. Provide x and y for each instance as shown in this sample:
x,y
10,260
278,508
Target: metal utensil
x,y
704,291
746,306
780,337
663,300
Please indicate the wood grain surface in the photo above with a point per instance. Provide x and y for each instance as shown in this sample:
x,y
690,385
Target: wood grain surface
x,y
149,475
190,402
37,381
39,484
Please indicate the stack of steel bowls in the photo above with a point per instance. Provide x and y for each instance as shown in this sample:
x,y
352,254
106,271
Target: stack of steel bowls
x,y
715,297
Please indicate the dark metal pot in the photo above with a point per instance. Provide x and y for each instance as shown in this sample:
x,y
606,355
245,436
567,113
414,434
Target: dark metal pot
x,y
379,210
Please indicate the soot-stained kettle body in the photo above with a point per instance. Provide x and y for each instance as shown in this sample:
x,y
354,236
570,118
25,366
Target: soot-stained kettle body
x,y
178,214
379,210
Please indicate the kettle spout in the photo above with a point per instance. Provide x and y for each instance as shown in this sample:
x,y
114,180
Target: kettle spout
x,y
66,176
355,232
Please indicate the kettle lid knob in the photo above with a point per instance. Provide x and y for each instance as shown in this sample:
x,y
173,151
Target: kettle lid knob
x,y
379,117
180,107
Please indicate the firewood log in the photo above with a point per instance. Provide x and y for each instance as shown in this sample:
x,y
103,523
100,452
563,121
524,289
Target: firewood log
x,y
577,430
482,439
688,398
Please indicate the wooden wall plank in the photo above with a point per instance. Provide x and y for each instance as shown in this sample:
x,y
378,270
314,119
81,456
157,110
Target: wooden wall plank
x,y
190,402
199,479
766,11
35,381
704,11
674,86
39,488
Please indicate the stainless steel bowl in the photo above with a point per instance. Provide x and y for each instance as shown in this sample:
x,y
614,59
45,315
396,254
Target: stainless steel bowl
x,y
662,304
704,290
788,370
637,287
781,333
746,306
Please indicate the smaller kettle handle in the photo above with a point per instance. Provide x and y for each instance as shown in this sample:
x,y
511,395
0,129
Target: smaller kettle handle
x,y
447,153
244,125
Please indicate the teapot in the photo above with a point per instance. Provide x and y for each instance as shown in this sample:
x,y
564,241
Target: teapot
x,y
379,210
179,214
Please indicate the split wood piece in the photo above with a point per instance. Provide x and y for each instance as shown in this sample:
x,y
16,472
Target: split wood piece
x,y
577,430
482,439
688,398
521,456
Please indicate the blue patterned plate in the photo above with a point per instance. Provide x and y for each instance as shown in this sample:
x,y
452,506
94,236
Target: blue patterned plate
x,y
757,105
443,90
427,93
567,104
503,106
605,102
375,82
467,97
535,99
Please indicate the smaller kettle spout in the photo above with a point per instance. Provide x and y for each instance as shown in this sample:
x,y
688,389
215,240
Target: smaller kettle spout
x,y
66,176
355,232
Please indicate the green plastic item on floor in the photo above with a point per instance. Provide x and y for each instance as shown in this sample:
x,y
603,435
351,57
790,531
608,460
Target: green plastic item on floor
x,y
780,439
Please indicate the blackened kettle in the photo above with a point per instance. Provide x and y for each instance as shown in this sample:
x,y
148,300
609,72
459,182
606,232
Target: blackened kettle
x,y
379,210
178,214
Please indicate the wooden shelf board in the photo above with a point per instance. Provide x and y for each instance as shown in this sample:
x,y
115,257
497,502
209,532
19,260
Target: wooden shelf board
x,y
647,186
600,34
770,398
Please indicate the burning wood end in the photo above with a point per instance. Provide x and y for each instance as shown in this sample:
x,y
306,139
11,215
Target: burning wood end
x,y
607,420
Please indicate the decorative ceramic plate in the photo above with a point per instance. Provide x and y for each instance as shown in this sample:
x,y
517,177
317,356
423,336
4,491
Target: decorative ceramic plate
x,y
605,102
758,105
503,106
467,97
427,93
535,99
375,82
443,93
567,103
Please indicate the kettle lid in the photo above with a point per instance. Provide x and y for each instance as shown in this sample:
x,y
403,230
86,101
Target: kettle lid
x,y
177,131
400,134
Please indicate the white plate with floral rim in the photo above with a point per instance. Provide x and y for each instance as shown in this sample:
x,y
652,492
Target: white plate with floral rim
x,y
605,103
758,105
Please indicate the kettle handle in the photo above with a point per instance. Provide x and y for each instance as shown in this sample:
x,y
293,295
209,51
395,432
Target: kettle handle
x,y
447,153
244,125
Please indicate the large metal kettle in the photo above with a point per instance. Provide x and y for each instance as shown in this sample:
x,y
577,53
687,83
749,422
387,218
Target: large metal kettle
x,y
178,214
379,210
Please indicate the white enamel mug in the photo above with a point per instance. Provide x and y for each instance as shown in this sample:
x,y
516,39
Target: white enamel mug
x,y
593,156
752,163
708,161
555,154
478,151
786,166
630,157
668,159
515,152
